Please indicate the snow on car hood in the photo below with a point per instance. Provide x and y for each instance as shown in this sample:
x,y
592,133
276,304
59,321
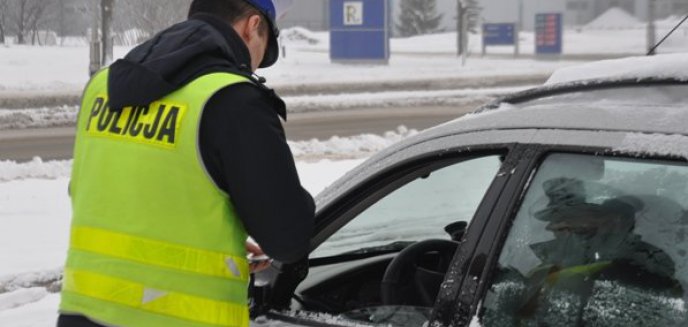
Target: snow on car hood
x,y
669,66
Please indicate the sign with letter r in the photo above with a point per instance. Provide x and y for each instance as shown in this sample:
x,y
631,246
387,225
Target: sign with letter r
x,y
353,13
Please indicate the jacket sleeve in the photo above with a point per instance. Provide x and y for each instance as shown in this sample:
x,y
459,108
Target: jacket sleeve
x,y
244,149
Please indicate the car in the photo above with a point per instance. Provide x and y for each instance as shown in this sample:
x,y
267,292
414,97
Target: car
x,y
563,205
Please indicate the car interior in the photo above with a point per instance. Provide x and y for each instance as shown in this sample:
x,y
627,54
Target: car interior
x,y
392,270
395,283
410,277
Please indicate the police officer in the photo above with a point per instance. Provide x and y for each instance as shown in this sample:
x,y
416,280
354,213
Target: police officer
x,y
180,155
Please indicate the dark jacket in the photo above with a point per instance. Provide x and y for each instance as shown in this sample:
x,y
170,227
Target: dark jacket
x,y
241,141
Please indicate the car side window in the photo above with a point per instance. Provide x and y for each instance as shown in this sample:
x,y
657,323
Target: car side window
x,y
419,209
596,242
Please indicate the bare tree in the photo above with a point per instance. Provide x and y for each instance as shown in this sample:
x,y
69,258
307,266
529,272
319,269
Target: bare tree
x,y
151,16
4,12
27,16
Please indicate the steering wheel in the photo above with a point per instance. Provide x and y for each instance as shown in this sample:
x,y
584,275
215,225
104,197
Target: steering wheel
x,y
409,281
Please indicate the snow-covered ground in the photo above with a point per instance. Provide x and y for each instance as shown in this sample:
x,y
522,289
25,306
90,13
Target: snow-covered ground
x,y
35,214
65,69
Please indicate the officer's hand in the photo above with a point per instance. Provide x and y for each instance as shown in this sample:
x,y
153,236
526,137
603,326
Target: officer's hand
x,y
258,261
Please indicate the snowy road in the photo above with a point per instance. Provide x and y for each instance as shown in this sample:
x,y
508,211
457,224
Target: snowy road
x,y
57,142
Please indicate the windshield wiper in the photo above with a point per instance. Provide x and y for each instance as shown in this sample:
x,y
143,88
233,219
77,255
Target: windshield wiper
x,y
361,253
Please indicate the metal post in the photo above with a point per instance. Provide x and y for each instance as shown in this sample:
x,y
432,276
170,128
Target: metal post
x,y
520,15
62,22
650,27
462,30
106,7
464,37
96,48
484,45
459,26
517,42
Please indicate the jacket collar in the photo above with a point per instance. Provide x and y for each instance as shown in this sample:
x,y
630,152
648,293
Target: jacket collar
x,y
241,53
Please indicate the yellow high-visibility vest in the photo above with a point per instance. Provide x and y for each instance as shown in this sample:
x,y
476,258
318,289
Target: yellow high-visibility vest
x,y
154,242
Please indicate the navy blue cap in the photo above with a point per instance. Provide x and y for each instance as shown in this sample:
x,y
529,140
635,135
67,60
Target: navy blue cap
x,y
267,8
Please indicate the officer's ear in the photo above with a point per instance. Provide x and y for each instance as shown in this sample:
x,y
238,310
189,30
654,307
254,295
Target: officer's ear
x,y
255,23
249,28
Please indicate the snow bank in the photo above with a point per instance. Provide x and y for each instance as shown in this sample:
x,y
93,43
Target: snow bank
x,y
336,147
38,314
40,117
296,35
66,115
350,147
22,297
659,66
396,99
307,62
36,168
43,279
615,18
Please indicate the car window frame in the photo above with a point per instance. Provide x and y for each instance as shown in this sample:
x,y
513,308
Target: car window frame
x,y
348,205
453,307
473,289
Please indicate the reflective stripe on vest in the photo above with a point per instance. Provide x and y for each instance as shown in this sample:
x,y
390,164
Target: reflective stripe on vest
x,y
158,253
171,304
154,241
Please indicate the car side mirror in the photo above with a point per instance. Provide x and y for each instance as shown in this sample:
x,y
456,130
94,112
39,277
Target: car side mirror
x,y
456,230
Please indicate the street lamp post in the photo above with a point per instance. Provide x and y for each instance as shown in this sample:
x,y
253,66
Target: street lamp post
x,y
520,15
462,30
106,7
96,48
101,36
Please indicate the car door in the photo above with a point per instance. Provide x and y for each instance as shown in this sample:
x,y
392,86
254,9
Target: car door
x,y
363,229
596,237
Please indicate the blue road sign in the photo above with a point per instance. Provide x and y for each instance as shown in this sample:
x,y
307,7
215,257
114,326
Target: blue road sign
x,y
548,33
359,30
499,34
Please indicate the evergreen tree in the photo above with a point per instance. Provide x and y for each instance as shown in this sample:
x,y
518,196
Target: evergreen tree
x,y
418,17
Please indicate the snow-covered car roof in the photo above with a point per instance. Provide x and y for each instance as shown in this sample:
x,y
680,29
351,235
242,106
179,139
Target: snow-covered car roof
x,y
637,94
627,107
651,106
640,94
668,66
